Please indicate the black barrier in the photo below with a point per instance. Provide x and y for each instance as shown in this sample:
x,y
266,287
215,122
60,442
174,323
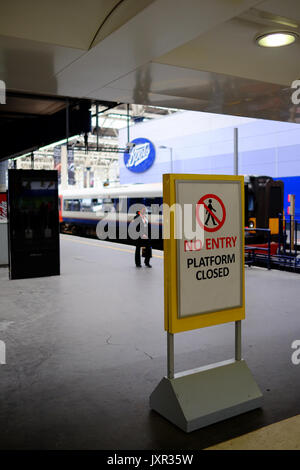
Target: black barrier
x,y
33,223
285,258
259,253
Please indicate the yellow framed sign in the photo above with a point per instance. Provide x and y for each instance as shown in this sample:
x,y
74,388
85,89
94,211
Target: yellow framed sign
x,y
203,250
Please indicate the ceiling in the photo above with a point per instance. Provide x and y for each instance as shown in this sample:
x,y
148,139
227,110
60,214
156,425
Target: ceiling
x,y
198,55
25,105
29,121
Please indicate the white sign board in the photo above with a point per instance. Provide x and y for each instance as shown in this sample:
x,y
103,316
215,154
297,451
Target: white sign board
x,y
210,271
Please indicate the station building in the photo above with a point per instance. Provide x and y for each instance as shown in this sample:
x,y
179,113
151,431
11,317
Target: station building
x,y
206,145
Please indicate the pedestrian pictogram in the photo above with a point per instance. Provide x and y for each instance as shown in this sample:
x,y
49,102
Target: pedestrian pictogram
x,y
209,212
214,213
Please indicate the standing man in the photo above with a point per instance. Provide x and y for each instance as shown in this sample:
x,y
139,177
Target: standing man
x,y
143,240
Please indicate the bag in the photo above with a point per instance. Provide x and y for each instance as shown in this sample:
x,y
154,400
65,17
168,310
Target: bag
x,y
144,251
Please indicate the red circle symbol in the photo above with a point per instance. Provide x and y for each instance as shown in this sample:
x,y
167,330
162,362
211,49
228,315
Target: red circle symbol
x,y
211,213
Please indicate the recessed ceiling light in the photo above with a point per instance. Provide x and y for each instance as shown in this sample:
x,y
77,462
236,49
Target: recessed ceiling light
x,y
277,39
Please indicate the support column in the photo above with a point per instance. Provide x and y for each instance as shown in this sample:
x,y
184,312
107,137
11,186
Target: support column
x,y
64,167
170,355
236,151
238,324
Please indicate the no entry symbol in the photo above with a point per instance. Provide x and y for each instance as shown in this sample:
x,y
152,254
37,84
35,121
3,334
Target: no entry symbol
x,y
214,213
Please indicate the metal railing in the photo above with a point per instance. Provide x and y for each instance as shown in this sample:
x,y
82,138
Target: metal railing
x,y
288,243
287,256
255,254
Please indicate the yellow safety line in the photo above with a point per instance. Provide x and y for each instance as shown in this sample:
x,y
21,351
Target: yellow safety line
x,y
104,246
283,435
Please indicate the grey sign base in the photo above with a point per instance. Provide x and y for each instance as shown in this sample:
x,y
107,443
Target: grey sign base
x,y
204,396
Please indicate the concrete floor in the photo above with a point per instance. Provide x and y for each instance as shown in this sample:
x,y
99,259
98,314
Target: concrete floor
x,y
86,349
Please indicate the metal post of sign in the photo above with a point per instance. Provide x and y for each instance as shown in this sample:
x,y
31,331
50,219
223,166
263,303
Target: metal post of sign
x,y
238,340
236,151
238,324
97,125
170,355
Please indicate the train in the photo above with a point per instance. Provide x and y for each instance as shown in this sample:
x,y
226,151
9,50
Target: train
x,y
81,210
264,201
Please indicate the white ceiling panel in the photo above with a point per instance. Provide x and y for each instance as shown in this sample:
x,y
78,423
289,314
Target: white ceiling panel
x,y
31,66
153,99
231,49
69,23
179,54
158,84
286,8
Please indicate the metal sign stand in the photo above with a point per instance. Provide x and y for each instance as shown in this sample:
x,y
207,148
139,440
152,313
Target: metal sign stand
x,y
200,397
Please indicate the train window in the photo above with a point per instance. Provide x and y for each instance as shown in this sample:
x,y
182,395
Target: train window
x,y
135,204
250,202
96,205
72,205
275,201
153,201
86,205
121,205
76,206
108,205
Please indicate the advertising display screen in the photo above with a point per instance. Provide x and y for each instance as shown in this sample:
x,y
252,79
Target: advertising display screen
x,y
33,223
3,206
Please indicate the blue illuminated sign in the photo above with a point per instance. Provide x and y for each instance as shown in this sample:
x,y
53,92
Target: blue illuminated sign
x,y
141,156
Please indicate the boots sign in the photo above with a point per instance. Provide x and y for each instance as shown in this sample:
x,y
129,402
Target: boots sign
x,y
141,156
205,284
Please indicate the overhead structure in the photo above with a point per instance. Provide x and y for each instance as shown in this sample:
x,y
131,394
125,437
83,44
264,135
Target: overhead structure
x,y
93,141
28,122
198,55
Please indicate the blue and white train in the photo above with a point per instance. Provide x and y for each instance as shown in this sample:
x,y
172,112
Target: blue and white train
x,y
82,209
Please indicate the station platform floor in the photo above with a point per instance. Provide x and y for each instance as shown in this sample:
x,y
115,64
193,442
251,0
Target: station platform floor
x,y
86,349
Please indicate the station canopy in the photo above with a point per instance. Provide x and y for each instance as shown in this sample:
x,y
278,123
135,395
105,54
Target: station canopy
x,y
191,55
